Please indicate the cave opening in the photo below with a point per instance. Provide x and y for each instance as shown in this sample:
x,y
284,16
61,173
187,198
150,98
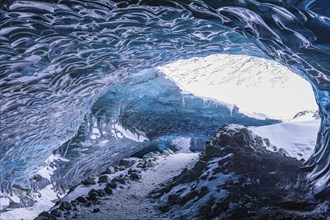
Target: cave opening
x,y
174,107
257,88
77,88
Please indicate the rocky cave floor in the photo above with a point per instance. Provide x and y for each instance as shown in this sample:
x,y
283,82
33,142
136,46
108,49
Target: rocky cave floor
x,y
234,177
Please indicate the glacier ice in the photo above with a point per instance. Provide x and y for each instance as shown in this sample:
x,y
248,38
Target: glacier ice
x,y
58,58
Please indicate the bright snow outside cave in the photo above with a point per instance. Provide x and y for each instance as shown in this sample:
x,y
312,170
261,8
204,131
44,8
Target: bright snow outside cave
x,y
260,88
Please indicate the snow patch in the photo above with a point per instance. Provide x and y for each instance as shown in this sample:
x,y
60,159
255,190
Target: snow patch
x,y
48,170
297,138
183,144
120,132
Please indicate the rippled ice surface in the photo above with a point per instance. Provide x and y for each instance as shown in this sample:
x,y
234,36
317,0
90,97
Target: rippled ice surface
x,y
66,56
58,58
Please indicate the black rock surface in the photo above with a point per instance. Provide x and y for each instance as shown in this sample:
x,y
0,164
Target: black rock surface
x,y
238,178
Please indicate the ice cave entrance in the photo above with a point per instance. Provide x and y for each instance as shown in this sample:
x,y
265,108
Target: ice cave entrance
x,y
259,88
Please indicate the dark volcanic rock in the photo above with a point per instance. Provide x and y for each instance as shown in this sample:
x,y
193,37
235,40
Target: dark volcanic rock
x,y
46,215
108,190
93,194
41,218
113,184
101,192
81,199
65,205
103,178
134,176
56,212
88,204
124,180
148,163
126,163
238,178
74,203
96,210
89,181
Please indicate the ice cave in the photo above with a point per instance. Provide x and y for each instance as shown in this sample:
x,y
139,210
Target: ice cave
x,y
102,98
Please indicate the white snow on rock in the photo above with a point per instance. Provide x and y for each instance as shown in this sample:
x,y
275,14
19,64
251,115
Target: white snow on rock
x,y
297,138
131,201
44,202
44,199
259,87
212,181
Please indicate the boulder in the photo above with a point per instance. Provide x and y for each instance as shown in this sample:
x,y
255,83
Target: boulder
x,y
108,190
93,195
103,178
101,192
89,181
124,180
41,218
109,170
81,199
47,216
126,163
135,176
96,210
65,205
74,203
88,204
56,212
113,184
